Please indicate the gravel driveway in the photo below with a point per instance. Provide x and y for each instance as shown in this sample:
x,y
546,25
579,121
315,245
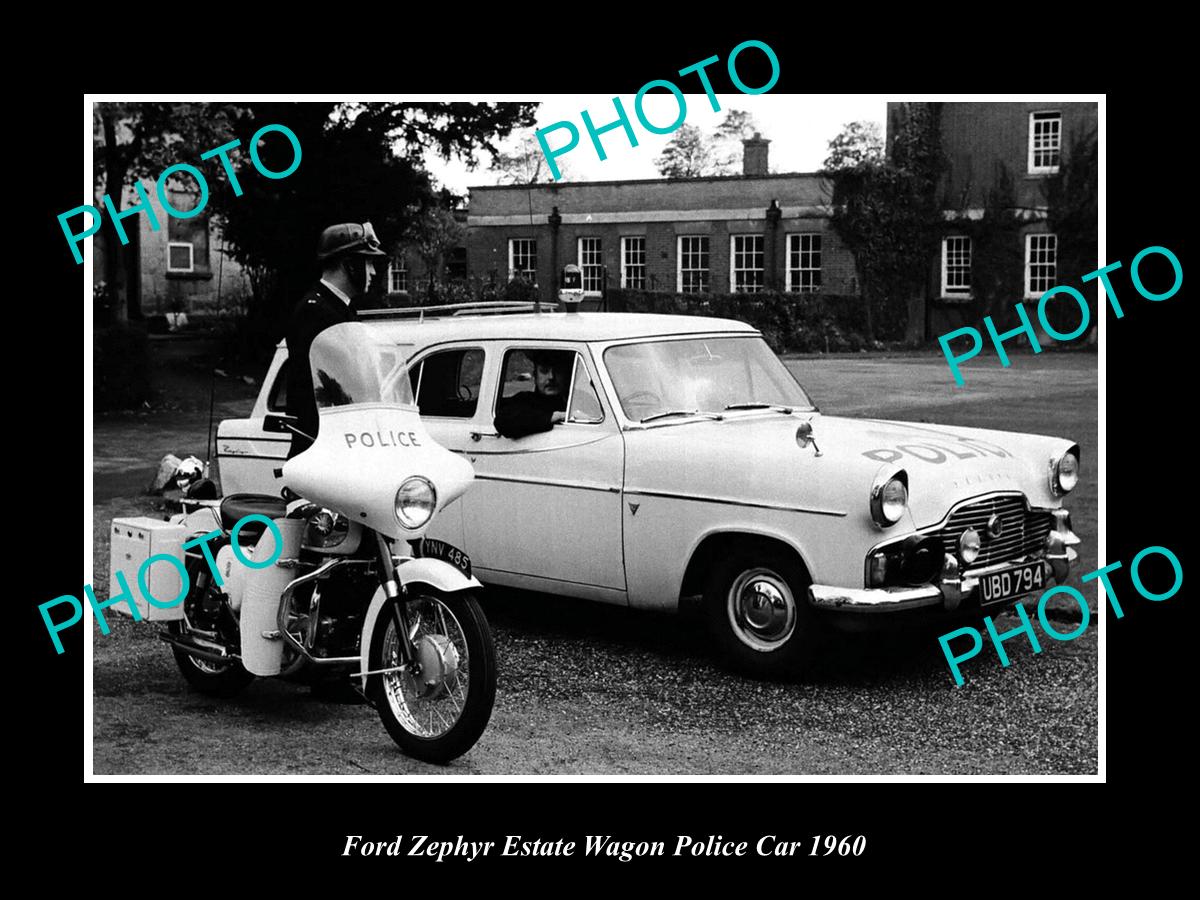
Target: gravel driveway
x,y
591,689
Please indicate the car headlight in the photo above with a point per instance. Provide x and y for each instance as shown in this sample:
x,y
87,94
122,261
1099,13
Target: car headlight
x,y
1064,472
889,498
415,502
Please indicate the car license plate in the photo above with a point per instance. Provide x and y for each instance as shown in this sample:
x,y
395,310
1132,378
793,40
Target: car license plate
x,y
431,549
1014,582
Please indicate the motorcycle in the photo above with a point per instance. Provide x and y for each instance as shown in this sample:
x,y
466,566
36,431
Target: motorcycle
x,y
341,599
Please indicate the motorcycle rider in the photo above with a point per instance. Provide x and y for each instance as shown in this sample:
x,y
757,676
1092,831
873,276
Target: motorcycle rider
x,y
347,253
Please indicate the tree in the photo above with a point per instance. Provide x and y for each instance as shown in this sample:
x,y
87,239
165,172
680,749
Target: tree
x,y
132,141
889,215
736,127
361,162
526,164
692,152
434,232
1072,211
858,143
687,155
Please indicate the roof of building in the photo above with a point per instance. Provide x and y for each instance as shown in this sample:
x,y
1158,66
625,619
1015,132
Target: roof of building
x,y
553,327
689,179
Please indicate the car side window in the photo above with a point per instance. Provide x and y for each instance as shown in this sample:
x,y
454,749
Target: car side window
x,y
277,398
585,404
446,384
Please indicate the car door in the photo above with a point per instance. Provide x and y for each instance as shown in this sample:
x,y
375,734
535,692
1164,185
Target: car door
x,y
545,510
446,382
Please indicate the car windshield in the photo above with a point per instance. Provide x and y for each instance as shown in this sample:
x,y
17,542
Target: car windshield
x,y
697,376
351,364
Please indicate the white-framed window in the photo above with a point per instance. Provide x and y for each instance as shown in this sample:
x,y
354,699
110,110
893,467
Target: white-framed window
x,y
746,263
180,256
804,262
397,275
956,266
692,264
1045,142
591,265
522,258
1041,264
633,263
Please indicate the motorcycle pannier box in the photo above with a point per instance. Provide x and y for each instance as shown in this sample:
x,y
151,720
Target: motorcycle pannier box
x,y
132,542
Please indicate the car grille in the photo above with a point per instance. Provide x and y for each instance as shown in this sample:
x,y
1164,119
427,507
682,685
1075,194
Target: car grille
x,y
1024,531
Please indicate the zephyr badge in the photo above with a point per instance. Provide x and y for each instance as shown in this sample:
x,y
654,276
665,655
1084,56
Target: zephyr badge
x,y
995,526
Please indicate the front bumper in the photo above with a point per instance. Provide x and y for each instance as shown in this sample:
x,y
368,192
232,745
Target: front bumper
x,y
950,589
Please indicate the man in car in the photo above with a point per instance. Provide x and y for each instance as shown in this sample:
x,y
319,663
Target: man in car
x,y
545,406
347,254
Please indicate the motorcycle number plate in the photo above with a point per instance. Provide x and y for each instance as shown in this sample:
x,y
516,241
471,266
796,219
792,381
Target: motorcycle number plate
x,y
431,549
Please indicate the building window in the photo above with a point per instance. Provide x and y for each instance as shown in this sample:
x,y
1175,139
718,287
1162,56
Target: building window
x,y
179,257
956,266
1041,264
187,239
522,259
633,263
1045,142
693,264
398,275
804,262
746,263
591,264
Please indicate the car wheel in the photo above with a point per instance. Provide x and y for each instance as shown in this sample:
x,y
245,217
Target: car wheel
x,y
758,612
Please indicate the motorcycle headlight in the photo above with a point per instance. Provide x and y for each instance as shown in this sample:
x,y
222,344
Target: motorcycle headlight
x,y
889,498
415,502
1064,472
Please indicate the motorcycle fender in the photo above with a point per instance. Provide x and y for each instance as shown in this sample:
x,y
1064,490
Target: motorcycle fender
x,y
433,572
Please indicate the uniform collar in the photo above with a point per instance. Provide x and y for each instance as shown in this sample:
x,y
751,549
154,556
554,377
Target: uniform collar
x,y
337,293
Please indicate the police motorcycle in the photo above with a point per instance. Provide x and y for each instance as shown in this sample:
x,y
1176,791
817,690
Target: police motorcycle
x,y
345,597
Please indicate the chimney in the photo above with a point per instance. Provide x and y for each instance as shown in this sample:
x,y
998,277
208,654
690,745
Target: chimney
x,y
754,155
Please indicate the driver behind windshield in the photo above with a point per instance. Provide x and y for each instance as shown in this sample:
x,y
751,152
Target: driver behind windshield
x,y
530,412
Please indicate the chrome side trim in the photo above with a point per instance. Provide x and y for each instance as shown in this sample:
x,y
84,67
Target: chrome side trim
x,y
550,483
726,502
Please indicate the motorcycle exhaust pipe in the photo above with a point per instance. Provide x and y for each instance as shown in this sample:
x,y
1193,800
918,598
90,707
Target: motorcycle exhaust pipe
x,y
198,647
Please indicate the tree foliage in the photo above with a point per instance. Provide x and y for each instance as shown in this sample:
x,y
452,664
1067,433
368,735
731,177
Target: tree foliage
x,y
692,152
858,143
527,164
360,163
888,213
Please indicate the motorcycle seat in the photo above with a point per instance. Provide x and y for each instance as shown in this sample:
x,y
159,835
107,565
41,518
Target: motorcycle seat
x,y
238,506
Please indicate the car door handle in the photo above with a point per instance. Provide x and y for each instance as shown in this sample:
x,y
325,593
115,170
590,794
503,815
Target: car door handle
x,y
480,435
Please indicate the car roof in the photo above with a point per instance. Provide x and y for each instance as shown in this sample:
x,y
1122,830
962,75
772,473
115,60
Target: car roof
x,y
548,326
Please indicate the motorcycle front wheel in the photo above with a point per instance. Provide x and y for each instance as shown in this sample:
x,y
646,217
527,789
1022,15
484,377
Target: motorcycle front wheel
x,y
437,710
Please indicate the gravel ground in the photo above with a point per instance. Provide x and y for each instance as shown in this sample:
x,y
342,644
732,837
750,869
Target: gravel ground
x,y
591,689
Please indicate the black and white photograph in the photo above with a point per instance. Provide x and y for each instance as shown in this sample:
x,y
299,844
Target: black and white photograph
x,y
684,433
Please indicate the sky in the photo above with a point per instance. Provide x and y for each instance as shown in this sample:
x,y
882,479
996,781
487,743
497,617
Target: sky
x,y
799,127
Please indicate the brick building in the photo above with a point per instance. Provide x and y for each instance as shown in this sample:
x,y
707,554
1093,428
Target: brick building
x,y
744,232
1023,144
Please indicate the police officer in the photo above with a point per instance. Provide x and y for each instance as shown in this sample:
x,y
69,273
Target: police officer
x,y
347,254
545,406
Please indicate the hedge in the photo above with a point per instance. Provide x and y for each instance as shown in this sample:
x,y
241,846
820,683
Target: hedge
x,y
810,322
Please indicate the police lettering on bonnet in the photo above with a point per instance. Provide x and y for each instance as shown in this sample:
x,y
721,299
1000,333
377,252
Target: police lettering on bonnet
x,y
347,254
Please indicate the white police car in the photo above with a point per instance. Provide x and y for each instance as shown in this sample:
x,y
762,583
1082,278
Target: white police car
x,y
690,462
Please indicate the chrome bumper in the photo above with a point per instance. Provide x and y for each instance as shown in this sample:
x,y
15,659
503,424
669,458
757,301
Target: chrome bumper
x,y
950,588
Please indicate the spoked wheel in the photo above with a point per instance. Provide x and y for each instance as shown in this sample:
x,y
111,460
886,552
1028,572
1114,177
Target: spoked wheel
x,y
437,709
216,678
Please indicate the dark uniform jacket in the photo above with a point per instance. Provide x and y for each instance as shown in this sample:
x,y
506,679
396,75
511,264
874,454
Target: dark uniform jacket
x,y
527,413
317,310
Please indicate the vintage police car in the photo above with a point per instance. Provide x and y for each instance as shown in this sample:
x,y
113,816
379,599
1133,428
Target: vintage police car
x,y
691,463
